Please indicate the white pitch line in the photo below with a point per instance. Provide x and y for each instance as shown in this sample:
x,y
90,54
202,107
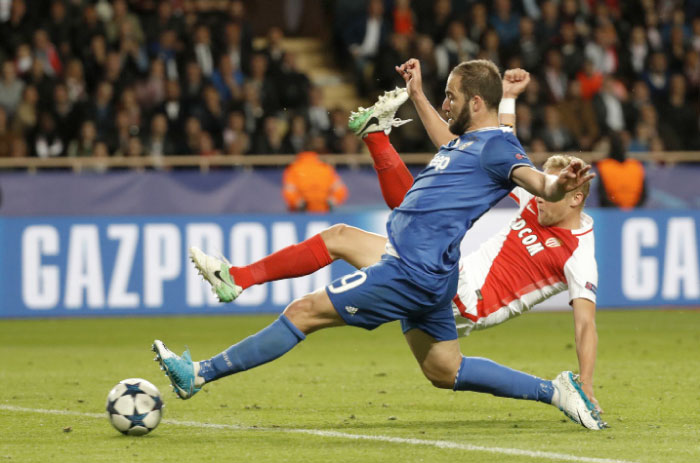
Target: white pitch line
x,y
344,435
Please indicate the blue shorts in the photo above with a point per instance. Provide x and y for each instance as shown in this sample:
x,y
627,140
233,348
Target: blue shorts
x,y
386,291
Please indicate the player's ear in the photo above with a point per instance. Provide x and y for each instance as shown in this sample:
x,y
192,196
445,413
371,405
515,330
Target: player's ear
x,y
577,199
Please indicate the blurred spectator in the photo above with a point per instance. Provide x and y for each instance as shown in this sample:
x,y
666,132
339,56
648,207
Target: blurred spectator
x,y
525,129
548,23
555,78
193,132
235,47
203,51
18,29
84,146
364,39
47,141
454,49
555,136
317,114
680,119
212,115
173,107
158,143
262,80
296,139
68,115
435,23
293,85
385,76
572,55
641,142
578,116
207,147
269,140
491,47
46,53
657,76
404,18
10,88
26,117
59,27
311,185
236,140
608,107
601,51
122,18
227,79
528,45
274,50
478,22
621,180
590,80
7,135
23,60
505,21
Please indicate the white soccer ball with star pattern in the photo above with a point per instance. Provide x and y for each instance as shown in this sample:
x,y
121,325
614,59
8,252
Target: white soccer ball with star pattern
x,y
134,407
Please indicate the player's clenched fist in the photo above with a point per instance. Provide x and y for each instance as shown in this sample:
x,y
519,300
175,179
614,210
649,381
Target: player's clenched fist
x,y
410,71
514,82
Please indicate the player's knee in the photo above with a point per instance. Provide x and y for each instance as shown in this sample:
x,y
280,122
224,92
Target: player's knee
x,y
333,238
308,313
439,373
440,379
300,310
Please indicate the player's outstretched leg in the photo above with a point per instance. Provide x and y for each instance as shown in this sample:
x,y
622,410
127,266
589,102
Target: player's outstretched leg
x,y
228,282
570,399
484,375
380,116
216,272
303,316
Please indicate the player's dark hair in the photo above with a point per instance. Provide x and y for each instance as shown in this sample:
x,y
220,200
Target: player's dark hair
x,y
480,77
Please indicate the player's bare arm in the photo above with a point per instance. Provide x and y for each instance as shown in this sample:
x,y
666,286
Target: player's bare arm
x,y
586,337
552,187
515,81
435,125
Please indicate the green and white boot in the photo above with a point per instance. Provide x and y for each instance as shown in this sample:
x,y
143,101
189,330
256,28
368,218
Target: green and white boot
x,y
216,272
380,116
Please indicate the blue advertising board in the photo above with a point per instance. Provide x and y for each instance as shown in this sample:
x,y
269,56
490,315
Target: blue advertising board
x,y
94,266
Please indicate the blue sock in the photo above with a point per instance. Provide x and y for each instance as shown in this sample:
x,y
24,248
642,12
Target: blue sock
x,y
264,346
484,375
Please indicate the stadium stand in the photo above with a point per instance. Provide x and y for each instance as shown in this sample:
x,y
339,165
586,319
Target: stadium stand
x,y
96,84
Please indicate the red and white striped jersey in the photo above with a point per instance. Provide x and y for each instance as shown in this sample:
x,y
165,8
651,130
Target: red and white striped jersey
x,y
521,266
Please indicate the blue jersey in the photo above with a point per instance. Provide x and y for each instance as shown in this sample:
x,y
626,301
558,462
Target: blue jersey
x,y
463,181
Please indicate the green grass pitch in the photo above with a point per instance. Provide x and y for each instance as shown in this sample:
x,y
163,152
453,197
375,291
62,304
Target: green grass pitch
x,y
346,382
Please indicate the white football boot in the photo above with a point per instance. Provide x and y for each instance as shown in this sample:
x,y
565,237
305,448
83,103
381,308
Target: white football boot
x,y
216,272
380,116
570,399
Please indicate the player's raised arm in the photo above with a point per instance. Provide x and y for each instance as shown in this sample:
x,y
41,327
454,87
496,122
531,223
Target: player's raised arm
x,y
586,342
552,187
514,83
435,125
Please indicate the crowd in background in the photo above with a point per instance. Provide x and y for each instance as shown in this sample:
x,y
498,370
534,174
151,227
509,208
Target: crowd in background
x,y
136,78
598,66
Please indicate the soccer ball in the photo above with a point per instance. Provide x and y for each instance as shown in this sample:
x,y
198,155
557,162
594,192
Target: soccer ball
x,y
134,407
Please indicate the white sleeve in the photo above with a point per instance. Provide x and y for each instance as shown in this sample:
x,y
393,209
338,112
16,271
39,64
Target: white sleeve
x,y
520,196
581,271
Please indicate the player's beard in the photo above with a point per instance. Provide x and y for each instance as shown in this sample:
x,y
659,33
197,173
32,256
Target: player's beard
x,y
461,123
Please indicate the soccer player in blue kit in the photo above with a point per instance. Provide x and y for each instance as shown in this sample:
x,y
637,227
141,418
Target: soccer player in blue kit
x,y
417,277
